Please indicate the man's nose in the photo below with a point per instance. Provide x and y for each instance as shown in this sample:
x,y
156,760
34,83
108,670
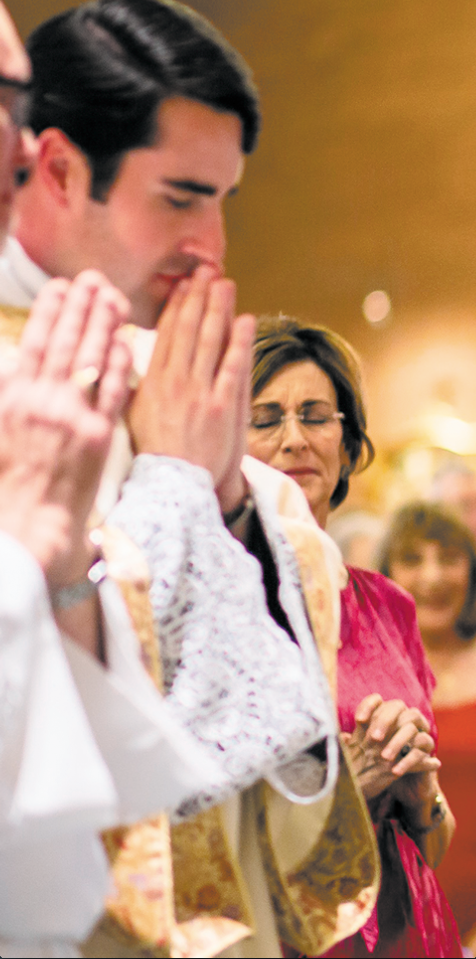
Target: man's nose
x,y
207,244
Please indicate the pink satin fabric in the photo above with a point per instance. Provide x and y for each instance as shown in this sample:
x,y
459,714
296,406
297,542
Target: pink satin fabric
x,y
382,652
457,751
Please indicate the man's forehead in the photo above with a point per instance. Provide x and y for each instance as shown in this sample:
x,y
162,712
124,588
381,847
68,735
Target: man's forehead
x,y
14,62
182,120
198,140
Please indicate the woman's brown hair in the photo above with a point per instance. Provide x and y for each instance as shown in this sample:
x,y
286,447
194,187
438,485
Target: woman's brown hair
x,y
281,341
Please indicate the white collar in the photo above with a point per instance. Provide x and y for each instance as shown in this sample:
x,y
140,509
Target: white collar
x,y
29,276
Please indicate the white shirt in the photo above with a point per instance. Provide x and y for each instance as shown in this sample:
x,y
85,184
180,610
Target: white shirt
x,y
81,748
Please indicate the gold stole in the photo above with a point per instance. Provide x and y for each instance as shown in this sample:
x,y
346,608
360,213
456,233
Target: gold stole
x,y
151,911
180,892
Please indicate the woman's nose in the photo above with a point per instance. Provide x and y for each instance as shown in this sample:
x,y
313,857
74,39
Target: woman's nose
x,y
293,434
431,572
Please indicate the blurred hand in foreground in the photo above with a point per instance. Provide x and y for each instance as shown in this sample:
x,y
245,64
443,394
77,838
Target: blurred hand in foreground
x,y
57,414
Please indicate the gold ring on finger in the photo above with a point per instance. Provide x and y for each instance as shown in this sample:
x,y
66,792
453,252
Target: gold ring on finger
x,y
87,379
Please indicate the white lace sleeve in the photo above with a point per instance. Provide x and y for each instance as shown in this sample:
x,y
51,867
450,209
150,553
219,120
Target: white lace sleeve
x,y
233,677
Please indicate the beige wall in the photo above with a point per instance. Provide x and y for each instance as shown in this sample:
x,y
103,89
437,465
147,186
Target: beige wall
x,y
365,178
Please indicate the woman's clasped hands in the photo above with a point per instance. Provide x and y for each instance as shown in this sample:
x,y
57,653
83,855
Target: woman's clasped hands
x,y
391,747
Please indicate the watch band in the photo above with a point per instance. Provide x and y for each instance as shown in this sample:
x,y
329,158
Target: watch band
x,y
438,813
67,596
244,508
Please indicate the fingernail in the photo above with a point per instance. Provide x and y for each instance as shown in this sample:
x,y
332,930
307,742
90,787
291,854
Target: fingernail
x,y
204,271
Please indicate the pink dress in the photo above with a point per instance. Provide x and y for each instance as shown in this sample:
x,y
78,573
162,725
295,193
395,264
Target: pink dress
x,y
382,653
457,751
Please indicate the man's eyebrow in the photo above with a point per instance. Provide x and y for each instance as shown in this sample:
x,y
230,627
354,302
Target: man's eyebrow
x,y
193,186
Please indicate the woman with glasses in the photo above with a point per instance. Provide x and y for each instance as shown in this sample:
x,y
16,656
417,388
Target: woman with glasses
x,y
308,420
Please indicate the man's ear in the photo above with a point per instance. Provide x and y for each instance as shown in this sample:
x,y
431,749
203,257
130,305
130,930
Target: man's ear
x,y
62,168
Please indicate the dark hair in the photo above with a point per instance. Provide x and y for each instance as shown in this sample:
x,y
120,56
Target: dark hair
x,y
101,71
431,523
281,341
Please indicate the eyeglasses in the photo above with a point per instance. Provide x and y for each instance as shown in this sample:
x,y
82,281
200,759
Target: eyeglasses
x,y
15,97
269,418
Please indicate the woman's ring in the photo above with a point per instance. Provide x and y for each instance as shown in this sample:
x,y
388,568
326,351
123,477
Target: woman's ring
x,y
404,751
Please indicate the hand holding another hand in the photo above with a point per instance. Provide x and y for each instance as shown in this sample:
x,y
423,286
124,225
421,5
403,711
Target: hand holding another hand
x,y
391,747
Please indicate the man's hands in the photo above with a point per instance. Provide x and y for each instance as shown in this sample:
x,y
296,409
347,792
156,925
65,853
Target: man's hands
x,y
391,747
54,435
193,402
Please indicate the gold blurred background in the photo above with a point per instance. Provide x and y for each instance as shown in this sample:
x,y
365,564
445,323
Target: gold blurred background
x,y
365,179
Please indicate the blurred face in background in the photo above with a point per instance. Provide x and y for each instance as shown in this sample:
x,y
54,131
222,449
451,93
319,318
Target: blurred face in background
x,y
458,491
296,428
437,576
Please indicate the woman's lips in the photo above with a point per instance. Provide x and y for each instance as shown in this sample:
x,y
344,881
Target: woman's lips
x,y
301,474
300,471
434,602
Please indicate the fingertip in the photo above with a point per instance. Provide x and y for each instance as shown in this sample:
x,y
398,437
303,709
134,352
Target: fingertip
x,y
110,297
183,286
123,306
367,706
247,325
204,273
362,713
50,297
91,279
225,287
59,286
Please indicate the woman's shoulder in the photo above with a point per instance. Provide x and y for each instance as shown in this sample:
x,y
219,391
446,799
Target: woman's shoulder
x,y
388,607
390,611
379,587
